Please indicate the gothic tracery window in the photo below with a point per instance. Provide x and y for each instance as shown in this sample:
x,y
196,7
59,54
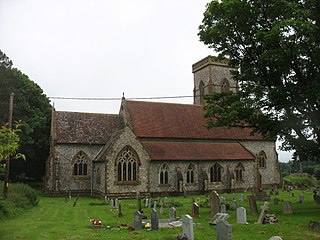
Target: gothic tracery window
x,y
215,173
127,165
163,174
262,157
80,164
239,172
190,173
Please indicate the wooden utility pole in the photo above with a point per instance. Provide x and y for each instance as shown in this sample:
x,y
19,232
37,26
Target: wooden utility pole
x,y
6,176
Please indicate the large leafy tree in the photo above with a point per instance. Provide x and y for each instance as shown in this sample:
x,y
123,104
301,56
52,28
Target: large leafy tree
x,y
275,44
33,109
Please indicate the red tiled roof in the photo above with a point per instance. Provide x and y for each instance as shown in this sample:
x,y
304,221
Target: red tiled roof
x,y
86,128
169,120
196,151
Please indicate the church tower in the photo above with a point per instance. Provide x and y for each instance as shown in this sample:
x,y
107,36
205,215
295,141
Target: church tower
x,y
212,75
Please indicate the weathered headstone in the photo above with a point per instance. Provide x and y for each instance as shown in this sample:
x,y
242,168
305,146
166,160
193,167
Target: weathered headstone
x,y
234,204
218,217
195,210
287,207
301,198
264,210
137,220
187,226
112,203
119,210
253,205
154,219
172,214
224,230
275,238
241,215
146,203
116,204
223,208
215,203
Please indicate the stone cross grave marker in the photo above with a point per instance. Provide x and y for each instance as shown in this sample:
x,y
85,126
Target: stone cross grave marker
x,y
253,205
154,219
264,210
241,215
187,226
172,214
224,230
215,203
287,207
137,220
218,217
195,210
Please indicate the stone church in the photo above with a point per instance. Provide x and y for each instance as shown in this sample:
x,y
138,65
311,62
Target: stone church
x,y
158,148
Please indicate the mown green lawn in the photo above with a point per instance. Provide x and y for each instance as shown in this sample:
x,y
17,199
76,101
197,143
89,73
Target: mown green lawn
x,y
53,219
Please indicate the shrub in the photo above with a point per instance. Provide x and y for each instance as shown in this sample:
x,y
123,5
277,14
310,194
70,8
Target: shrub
x,y
20,196
300,181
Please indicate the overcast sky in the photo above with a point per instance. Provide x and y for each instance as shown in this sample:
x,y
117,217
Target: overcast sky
x,y
104,48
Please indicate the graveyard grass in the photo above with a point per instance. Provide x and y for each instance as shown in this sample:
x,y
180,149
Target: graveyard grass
x,y
53,218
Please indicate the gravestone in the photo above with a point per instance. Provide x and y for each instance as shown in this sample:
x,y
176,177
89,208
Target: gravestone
x,y
187,226
116,204
149,203
241,197
234,204
137,220
146,204
253,205
154,204
195,210
276,201
215,203
218,217
223,208
241,215
275,238
224,230
119,210
301,198
172,214
264,210
154,219
287,207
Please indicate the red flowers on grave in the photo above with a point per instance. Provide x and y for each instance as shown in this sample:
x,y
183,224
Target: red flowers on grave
x,y
95,222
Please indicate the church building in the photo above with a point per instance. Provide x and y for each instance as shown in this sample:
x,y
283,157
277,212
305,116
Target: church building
x,y
159,148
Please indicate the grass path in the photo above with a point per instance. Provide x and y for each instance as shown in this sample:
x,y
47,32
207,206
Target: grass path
x,y
54,219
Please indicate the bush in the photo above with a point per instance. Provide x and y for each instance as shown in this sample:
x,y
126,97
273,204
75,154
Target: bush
x,y
300,181
20,196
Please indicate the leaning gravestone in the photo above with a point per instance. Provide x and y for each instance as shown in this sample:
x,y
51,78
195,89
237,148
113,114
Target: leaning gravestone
x,y
215,203
264,210
137,220
253,205
187,227
224,230
154,219
241,215
287,207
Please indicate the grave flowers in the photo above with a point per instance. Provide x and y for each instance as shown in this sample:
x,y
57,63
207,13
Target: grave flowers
x,y
95,223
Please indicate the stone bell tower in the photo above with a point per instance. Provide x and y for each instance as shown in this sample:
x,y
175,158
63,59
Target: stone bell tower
x,y
212,75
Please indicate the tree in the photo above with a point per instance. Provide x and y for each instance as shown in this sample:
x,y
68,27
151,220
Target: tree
x,y
33,108
275,44
9,142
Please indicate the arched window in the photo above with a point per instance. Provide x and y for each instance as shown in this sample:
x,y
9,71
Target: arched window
x,y
164,174
239,172
127,165
80,164
190,173
225,86
262,157
201,91
215,173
